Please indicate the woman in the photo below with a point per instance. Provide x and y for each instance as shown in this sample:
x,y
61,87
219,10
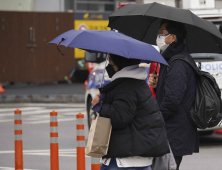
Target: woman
x,y
138,132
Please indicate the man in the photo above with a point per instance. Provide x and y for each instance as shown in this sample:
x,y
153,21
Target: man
x,y
176,85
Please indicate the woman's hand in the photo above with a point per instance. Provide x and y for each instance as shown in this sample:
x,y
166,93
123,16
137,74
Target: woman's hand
x,y
95,100
153,79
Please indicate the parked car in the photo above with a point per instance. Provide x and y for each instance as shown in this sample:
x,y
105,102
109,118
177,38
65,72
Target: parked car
x,y
94,80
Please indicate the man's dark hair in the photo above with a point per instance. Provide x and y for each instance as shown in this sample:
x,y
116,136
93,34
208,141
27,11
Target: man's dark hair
x,y
122,62
175,28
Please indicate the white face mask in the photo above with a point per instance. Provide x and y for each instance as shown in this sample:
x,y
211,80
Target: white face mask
x,y
160,41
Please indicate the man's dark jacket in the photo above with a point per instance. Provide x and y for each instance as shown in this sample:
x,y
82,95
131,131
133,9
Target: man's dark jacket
x,y
137,123
177,84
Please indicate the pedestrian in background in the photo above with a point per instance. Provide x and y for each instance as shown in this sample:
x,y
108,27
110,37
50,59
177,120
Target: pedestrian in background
x,y
176,85
138,132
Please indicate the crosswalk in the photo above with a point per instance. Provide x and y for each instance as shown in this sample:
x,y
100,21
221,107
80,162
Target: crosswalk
x,y
40,113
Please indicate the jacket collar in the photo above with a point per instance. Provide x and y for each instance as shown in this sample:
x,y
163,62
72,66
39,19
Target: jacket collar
x,y
111,85
173,49
134,72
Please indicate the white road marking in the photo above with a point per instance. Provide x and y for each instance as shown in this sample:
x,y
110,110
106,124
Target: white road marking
x,y
44,105
7,120
62,152
47,121
39,115
72,113
8,168
20,108
40,111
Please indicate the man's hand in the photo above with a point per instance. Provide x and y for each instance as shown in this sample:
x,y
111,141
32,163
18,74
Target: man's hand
x,y
95,100
153,79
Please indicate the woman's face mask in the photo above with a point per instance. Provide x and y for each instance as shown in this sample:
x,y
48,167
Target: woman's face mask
x,y
110,67
160,40
110,70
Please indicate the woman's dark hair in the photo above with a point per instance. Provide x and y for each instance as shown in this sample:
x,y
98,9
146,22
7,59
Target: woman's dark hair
x,y
122,62
175,28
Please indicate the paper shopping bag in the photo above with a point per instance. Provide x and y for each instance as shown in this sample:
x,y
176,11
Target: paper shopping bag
x,y
99,136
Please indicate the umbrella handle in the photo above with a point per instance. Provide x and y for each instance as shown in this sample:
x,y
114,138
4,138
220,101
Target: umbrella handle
x,y
104,71
58,44
155,72
59,50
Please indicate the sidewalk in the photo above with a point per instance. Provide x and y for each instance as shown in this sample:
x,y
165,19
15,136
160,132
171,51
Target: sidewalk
x,y
46,93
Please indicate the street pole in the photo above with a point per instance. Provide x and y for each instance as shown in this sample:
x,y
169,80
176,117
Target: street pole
x,y
75,5
115,5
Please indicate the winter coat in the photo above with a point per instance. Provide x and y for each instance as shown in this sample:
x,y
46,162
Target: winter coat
x,y
177,84
137,123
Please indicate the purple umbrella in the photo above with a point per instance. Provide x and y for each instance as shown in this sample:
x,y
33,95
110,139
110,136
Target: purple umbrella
x,y
109,42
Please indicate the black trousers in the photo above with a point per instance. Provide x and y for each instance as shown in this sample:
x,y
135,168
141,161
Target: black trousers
x,y
178,160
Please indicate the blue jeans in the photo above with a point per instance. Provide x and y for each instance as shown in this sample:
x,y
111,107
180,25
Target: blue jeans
x,y
113,166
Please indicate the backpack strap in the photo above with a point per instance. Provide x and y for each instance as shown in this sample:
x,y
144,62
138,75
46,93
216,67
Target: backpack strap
x,y
185,59
193,65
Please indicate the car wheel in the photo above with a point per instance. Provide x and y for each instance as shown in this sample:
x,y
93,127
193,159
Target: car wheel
x,y
91,115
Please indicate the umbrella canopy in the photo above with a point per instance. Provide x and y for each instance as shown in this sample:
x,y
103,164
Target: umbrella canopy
x,y
142,21
109,42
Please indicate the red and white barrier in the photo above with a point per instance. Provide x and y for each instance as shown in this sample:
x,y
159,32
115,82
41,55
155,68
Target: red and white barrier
x,y
95,163
80,142
54,146
18,140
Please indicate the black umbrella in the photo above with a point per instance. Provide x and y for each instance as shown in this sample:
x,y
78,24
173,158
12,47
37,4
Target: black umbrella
x,y
142,21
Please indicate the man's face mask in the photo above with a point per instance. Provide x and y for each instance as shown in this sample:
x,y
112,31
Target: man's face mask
x,y
160,40
110,70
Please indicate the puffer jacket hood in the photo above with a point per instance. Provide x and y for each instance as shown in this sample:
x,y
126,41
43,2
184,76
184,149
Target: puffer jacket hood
x,y
134,72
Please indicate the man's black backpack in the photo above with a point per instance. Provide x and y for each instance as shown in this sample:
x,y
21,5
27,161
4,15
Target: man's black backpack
x,y
206,110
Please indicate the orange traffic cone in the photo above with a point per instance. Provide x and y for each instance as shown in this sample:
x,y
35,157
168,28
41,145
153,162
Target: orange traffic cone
x,y
1,89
